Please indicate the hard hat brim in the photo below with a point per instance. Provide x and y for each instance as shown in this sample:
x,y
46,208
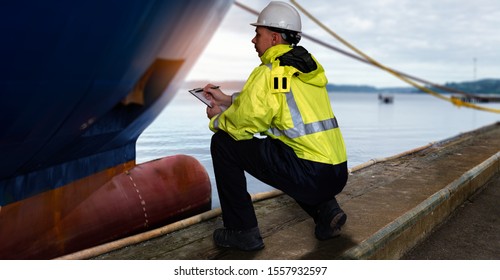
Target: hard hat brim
x,y
274,26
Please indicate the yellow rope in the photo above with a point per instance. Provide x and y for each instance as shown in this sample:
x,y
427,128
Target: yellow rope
x,y
453,100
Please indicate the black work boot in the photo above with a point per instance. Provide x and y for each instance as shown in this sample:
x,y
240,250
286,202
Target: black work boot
x,y
245,240
330,220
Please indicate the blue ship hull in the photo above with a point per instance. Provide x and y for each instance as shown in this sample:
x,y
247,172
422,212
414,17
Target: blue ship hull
x,y
81,80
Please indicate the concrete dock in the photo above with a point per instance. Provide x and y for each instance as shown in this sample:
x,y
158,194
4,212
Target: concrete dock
x,y
472,232
392,205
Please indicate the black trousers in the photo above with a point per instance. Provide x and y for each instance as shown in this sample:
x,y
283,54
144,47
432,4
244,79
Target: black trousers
x,y
274,163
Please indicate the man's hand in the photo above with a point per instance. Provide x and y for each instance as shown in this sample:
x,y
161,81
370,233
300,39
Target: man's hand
x,y
219,101
215,110
219,98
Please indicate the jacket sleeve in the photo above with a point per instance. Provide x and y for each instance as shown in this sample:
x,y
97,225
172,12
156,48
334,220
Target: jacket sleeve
x,y
252,111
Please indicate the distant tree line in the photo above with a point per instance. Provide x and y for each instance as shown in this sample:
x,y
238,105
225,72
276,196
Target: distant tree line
x,y
480,86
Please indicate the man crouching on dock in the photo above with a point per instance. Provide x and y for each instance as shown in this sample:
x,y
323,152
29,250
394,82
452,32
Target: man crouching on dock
x,y
285,98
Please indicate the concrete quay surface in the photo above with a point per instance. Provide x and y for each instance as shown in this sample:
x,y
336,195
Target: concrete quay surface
x,y
392,206
472,232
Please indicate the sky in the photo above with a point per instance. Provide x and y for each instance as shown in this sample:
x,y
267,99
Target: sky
x,y
436,40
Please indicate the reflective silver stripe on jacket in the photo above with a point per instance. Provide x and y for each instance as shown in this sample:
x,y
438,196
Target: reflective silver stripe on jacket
x,y
299,127
216,122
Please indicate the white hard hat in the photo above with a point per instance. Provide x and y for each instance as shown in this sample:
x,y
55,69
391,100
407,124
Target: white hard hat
x,y
279,15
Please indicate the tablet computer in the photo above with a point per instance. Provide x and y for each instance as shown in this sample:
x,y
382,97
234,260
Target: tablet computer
x,y
198,93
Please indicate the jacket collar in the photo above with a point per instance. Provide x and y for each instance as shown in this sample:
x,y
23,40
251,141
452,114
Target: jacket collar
x,y
273,52
316,77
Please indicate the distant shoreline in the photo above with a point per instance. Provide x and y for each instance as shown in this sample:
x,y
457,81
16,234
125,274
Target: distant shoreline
x,y
480,86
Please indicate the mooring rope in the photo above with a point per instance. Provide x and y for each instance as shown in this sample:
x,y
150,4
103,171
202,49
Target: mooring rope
x,y
366,59
454,100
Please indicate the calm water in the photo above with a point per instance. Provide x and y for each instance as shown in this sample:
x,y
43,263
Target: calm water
x,y
371,129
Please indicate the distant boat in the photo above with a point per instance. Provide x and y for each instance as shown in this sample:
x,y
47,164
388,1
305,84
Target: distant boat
x,y
386,99
79,82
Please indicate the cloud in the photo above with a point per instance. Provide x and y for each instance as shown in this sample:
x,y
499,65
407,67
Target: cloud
x,y
435,40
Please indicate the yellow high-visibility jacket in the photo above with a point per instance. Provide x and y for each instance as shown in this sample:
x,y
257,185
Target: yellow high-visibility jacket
x,y
284,103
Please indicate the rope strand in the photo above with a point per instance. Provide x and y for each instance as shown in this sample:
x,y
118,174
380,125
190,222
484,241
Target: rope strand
x,y
453,100
366,59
